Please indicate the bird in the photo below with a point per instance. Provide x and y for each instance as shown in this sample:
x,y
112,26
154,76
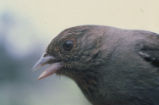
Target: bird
x,y
111,66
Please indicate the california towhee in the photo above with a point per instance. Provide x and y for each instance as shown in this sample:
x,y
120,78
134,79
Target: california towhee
x,y
112,66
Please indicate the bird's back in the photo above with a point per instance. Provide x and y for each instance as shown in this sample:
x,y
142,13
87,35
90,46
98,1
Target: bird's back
x,y
131,77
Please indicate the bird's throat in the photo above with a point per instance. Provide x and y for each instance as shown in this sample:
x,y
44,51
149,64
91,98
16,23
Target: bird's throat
x,y
88,83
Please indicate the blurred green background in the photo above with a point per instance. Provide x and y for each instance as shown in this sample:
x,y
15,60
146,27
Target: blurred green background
x,y
26,28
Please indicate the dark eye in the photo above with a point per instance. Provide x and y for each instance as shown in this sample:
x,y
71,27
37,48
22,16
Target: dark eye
x,y
68,45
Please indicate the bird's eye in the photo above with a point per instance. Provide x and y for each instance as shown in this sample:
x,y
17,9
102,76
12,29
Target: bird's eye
x,y
68,45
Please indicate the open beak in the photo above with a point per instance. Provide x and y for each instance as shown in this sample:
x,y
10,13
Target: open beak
x,y
53,67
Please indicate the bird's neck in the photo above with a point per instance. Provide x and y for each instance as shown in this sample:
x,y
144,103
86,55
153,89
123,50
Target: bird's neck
x,y
88,83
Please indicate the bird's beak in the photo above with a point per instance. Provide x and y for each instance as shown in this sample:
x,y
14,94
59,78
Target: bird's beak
x,y
53,67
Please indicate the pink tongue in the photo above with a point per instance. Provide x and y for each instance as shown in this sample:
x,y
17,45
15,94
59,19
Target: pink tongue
x,y
50,70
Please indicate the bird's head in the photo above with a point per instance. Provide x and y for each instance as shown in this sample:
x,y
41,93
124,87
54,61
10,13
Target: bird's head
x,y
73,50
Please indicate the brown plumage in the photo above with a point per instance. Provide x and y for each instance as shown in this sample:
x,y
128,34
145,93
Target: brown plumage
x,y
112,66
